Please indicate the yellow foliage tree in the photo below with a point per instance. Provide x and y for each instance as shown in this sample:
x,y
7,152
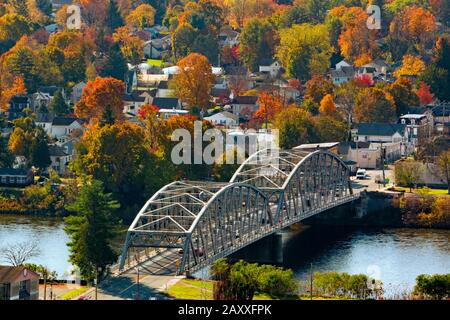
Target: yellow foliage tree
x,y
194,80
411,66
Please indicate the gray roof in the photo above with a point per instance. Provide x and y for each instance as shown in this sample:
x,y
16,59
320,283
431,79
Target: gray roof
x,y
380,129
343,72
56,151
13,172
345,146
165,103
245,100
64,121
44,117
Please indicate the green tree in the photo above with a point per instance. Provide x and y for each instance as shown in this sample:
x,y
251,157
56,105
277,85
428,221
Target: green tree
x,y
39,155
113,18
257,43
295,127
58,105
92,229
435,286
304,50
443,162
408,173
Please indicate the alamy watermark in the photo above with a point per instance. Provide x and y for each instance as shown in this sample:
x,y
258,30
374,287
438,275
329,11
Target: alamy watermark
x,y
374,20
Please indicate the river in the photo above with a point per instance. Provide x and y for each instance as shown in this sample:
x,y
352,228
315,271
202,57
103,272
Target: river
x,y
49,235
395,256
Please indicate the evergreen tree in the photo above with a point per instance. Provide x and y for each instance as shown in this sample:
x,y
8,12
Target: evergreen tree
x,y
58,105
39,154
115,64
6,158
113,20
91,229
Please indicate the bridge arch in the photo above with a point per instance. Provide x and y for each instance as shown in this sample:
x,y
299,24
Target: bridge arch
x,y
203,221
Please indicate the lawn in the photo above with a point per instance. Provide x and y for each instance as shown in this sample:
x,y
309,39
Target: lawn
x,y
74,293
433,192
203,290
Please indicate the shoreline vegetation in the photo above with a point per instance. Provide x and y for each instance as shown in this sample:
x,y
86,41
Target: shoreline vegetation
x,y
419,208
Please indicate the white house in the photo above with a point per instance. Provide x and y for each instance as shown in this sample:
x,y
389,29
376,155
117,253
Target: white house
x,y
44,120
169,113
224,118
343,63
273,69
65,126
228,37
342,75
60,159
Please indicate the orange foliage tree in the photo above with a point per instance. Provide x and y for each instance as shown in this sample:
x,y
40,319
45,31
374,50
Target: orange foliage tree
x,y
194,80
374,105
270,104
103,95
327,106
414,25
356,41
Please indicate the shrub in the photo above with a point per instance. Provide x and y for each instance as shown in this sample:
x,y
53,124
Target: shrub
x,y
435,286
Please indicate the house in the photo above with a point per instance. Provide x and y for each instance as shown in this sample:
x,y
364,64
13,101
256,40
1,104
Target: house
x,y
16,177
64,126
228,37
244,105
311,147
418,126
382,134
169,113
77,91
220,83
133,103
271,68
16,106
167,103
370,72
359,154
43,96
157,47
59,159
52,28
441,113
164,91
220,96
343,63
44,120
224,118
342,75
380,66
18,283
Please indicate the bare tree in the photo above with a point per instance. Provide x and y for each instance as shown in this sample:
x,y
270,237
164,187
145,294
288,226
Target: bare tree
x,y
19,253
443,162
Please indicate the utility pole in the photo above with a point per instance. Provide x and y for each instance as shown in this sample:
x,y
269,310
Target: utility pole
x,y
383,153
311,282
138,296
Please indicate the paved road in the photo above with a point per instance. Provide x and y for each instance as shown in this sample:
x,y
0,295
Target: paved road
x,y
155,277
369,183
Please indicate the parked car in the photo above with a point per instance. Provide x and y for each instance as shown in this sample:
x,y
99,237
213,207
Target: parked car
x,y
361,174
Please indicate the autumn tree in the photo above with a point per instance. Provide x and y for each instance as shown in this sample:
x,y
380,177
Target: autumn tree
x,y
411,66
270,104
408,173
141,17
374,105
443,162
356,41
295,127
330,129
304,50
130,45
100,97
257,42
327,106
194,80
318,87
424,94
403,94
118,155
13,27
415,26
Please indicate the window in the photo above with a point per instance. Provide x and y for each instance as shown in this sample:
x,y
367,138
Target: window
x,y
5,291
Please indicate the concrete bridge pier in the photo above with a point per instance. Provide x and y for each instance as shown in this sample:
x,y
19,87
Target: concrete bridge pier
x,y
258,252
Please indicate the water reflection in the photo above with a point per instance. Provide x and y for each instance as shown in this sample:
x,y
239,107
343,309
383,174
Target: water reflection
x,y
48,233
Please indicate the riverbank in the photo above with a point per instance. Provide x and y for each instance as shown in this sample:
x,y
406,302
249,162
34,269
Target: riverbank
x,y
390,210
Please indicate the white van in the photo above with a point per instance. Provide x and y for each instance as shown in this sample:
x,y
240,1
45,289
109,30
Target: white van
x,y
361,174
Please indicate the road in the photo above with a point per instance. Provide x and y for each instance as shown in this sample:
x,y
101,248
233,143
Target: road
x,y
369,183
155,277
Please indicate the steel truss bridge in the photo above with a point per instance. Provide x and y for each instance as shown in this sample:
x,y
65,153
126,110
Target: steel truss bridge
x,y
200,222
